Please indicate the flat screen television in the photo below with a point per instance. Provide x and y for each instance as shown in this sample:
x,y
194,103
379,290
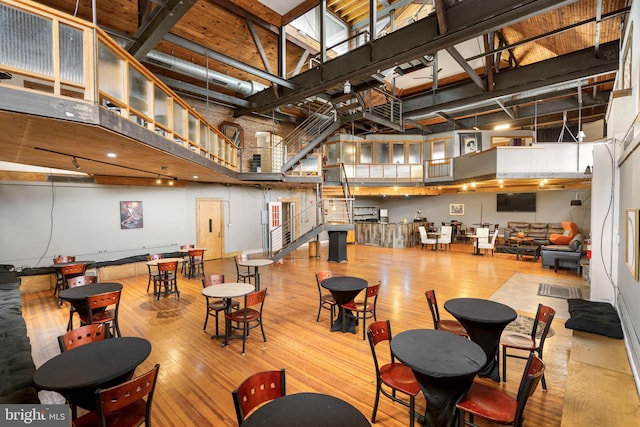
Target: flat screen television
x,y
516,202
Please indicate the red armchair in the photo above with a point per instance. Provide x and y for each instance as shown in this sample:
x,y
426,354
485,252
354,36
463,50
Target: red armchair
x,y
570,231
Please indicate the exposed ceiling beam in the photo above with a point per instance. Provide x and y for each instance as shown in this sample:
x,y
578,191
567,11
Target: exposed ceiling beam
x,y
466,20
565,68
161,21
466,67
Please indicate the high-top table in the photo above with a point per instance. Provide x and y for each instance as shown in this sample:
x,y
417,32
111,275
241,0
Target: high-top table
x,y
227,291
309,410
444,365
344,289
484,320
256,263
77,296
78,373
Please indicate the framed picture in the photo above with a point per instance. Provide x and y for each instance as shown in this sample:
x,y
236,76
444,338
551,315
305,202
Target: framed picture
x,y
470,142
130,215
456,208
632,241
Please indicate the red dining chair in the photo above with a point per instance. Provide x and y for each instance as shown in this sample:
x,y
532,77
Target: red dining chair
x,y
153,270
248,318
498,406
67,272
123,405
216,305
364,310
184,269
62,259
394,375
533,342
81,336
448,325
196,263
168,278
74,282
103,308
257,389
243,275
325,301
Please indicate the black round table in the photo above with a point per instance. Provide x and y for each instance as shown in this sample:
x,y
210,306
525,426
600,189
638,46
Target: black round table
x,y
78,373
444,365
344,289
309,410
77,296
484,320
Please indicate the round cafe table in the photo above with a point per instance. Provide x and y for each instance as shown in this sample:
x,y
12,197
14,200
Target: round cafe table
x,y
256,263
78,373
444,365
309,410
484,320
344,289
227,291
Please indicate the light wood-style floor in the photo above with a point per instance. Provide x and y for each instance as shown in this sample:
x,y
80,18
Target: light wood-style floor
x,y
197,375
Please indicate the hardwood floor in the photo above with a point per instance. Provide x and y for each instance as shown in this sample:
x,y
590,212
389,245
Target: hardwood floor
x,y
197,375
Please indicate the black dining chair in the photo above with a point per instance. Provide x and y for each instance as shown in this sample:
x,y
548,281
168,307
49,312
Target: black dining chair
x,y
449,325
363,310
325,300
216,305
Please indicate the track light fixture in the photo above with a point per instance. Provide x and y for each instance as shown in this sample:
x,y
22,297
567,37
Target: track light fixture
x,y
74,162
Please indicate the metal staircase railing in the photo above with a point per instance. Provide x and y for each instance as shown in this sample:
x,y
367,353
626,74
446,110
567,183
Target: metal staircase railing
x,y
326,214
306,136
372,104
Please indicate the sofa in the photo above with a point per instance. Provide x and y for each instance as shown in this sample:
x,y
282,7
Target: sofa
x,y
569,255
540,231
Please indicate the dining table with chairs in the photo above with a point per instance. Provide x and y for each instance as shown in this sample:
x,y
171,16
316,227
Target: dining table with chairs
x,y
256,263
163,277
227,291
444,364
77,296
484,321
344,289
307,409
76,374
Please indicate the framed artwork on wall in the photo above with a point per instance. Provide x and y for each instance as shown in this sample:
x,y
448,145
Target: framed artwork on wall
x,y
470,142
632,241
130,215
456,208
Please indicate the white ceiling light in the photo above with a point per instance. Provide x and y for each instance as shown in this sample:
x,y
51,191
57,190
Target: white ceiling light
x,y
502,127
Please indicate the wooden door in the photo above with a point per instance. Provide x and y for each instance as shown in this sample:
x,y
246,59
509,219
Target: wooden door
x,y
275,225
210,227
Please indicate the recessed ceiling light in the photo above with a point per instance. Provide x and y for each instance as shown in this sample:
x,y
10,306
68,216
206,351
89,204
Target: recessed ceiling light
x,y
502,127
112,155
195,176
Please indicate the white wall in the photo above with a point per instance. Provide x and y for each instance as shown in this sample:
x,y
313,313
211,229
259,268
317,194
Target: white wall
x,y
551,206
40,220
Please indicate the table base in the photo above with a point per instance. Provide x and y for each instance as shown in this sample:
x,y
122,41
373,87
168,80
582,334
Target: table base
x,y
345,319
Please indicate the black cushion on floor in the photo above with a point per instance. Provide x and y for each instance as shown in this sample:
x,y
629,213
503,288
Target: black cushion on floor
x,y
595,317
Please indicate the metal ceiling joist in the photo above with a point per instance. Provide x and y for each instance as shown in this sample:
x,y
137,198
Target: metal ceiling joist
x,y
557,106
161,21
217,56
466,20
466,67
565,68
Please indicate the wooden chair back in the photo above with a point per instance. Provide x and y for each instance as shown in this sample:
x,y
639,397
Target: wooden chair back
x,y
81,336
257,389
73,270
168,267
63,259
153,257
128,398
213,279
74,282
532,375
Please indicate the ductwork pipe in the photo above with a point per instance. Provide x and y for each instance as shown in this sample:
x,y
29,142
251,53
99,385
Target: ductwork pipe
x,y
168,62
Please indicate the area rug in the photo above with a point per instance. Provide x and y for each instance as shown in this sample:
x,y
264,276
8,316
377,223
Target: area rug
x,y
520,292
564,292
523,325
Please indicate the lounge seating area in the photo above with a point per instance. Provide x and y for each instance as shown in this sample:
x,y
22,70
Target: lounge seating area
x,y
541,232
563,256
